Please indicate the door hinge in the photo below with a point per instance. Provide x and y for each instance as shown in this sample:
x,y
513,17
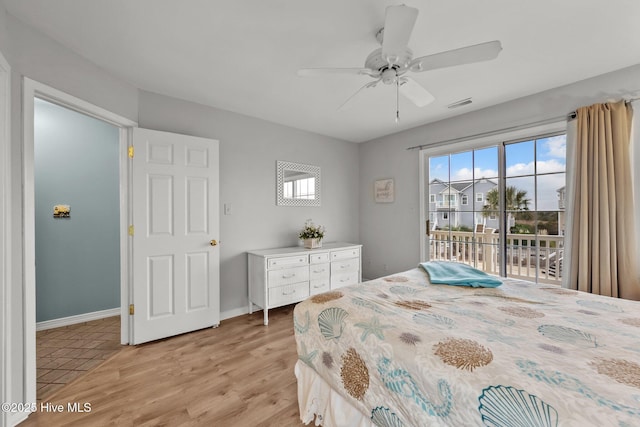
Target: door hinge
x,y
131,230
131,309
131,151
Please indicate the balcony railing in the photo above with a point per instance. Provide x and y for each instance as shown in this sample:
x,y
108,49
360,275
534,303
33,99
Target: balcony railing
x,y
528,257
446,204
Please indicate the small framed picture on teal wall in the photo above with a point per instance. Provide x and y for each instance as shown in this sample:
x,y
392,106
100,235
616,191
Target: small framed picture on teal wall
x,y
62,211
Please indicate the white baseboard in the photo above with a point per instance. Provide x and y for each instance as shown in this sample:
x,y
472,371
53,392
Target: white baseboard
x,y
80,318
241,311
18,417
234,313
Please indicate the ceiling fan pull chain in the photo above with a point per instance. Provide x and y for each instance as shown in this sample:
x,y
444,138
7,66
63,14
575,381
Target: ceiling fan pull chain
x,y
397,100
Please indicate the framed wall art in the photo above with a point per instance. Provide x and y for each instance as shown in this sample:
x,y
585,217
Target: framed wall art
x,y
383,190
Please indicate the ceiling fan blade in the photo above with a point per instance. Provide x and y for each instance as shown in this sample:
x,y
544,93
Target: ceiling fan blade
x,y
464,55
414,92
308,72
398,25
346,104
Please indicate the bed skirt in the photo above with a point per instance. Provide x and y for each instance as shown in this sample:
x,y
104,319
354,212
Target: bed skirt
x,y
318,401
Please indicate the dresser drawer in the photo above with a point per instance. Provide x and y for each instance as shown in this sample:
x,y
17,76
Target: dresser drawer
x,y
346,266
319,258
319,271
286,294
344,279
344,254
289,261
319,286
286,276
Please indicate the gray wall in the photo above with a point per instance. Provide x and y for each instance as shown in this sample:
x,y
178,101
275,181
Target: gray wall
x,y
396,240
4,36
249,149
40,58
77,258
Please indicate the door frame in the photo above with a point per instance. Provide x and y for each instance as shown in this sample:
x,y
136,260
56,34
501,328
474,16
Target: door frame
x,y
5,236
30,90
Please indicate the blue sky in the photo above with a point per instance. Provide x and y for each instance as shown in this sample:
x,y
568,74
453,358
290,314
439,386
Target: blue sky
x,y
546,155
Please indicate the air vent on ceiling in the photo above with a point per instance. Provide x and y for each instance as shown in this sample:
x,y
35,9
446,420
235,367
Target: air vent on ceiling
x,y
460,103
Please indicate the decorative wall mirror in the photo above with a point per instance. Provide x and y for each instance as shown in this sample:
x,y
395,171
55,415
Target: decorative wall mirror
x,y
297,184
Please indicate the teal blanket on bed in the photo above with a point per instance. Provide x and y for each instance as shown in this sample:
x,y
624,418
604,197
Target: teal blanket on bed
x,y
459,274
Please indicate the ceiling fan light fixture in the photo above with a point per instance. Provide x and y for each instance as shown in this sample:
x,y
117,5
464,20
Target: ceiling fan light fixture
x,y
460,103
389,76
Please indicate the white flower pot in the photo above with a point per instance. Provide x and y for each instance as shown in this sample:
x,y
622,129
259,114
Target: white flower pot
x,y
313,243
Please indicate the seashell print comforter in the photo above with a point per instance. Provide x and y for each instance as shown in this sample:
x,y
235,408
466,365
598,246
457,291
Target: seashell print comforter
x,y
405,352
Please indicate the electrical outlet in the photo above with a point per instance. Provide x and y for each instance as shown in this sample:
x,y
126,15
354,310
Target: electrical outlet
x,y
228,209
385,267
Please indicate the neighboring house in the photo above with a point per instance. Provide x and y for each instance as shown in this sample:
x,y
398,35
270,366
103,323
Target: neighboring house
x,y
460,203
562,194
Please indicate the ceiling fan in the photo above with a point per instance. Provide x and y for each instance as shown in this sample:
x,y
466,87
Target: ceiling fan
x,y
391,63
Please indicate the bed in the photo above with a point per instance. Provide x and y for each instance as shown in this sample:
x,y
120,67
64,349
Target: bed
x,y
400,351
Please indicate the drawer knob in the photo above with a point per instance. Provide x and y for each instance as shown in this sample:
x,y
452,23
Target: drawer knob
x,y
288,276
289,293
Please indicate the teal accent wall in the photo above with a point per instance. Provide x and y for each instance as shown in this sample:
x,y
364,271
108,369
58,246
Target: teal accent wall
x,y
77,258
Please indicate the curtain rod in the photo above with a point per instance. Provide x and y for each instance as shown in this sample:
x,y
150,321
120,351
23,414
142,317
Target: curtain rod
x,y
494,132
572,115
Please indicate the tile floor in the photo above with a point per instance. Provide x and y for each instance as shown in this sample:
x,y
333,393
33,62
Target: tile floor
x,y
65,353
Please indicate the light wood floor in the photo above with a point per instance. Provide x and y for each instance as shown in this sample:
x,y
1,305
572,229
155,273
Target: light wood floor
x,y
240,374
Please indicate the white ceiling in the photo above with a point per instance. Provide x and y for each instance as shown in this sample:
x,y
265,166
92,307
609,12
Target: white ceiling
x,y
242,55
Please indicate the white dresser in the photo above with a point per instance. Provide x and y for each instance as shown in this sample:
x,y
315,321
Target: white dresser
x,y
284,276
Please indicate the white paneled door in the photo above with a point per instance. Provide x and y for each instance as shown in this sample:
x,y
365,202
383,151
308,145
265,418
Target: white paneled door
x,y
176,280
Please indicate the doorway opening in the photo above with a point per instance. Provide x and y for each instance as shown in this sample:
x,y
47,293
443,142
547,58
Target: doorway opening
x,y
62,216
77,247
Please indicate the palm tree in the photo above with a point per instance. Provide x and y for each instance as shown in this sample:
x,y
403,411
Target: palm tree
x,y
515,200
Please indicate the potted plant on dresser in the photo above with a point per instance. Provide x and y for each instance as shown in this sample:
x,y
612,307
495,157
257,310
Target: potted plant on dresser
x,y
312,235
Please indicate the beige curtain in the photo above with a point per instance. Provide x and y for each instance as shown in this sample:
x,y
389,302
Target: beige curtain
x,y
603,247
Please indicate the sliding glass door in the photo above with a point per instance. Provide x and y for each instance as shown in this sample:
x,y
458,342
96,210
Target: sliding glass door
x,y
499,208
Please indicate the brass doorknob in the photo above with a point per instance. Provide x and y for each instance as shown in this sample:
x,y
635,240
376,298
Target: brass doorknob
x,y
213,242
